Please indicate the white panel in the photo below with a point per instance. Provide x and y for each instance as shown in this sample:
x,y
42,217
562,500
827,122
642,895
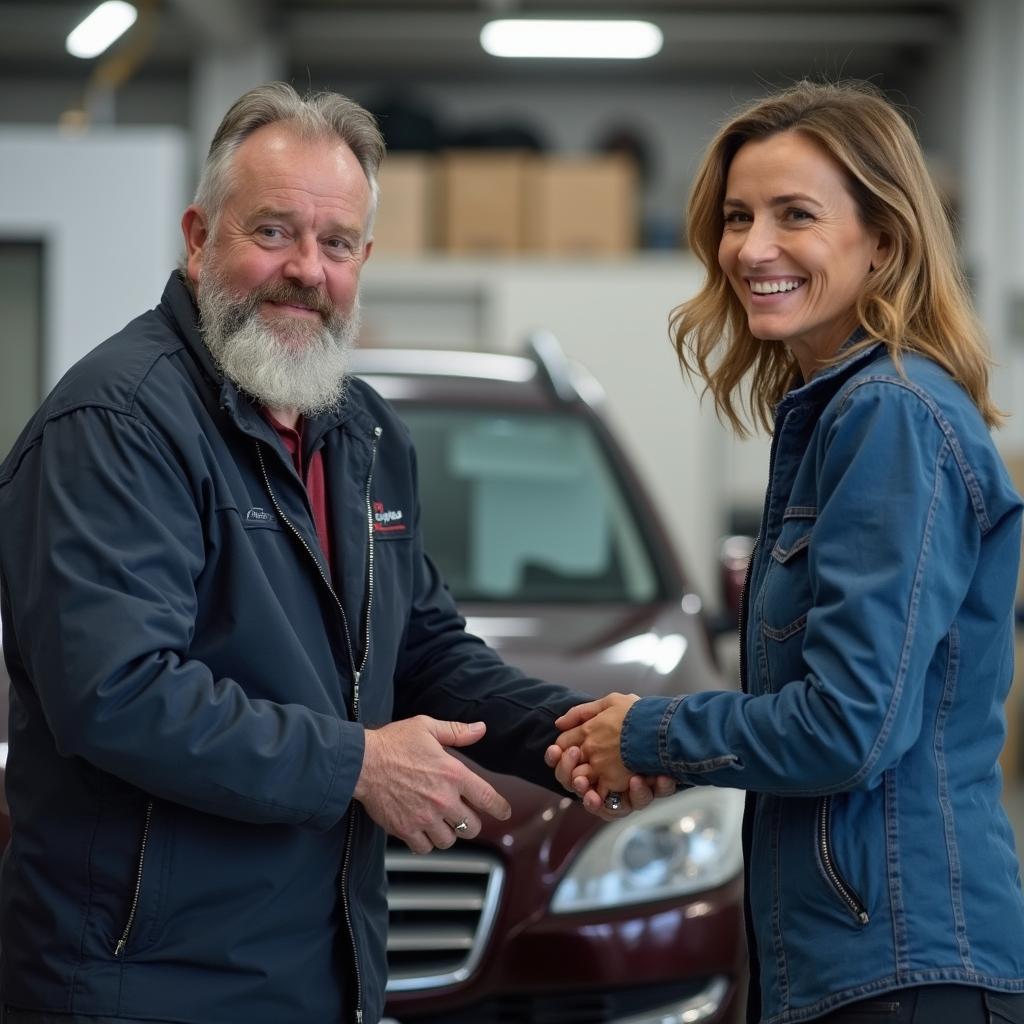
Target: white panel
x,y
107,202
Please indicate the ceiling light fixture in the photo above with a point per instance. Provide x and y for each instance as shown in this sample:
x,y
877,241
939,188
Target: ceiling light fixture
x,y
93,35
545,37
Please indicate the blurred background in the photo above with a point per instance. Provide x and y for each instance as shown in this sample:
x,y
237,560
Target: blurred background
x,y
520,192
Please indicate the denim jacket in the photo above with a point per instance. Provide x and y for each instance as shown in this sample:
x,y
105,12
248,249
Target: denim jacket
x,y
878,654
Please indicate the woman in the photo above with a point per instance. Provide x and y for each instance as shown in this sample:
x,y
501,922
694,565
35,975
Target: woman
x,y
877,625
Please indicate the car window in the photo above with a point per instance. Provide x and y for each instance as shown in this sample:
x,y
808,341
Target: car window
x,y
525,507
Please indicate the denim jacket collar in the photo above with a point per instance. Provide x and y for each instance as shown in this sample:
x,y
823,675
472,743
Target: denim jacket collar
x,y
824,384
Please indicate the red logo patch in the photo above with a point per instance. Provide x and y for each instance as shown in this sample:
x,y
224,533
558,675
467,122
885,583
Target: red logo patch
x,y
387,520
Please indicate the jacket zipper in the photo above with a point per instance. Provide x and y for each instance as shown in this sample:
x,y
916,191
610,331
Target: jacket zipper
x,y
846,894
377,431
744,596
751,802
356,673
741,625
123,941
349,838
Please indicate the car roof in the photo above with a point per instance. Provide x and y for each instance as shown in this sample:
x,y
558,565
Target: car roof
x,y
542,381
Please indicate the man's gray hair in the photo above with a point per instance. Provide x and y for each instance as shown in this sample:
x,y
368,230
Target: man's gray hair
x,y
322,115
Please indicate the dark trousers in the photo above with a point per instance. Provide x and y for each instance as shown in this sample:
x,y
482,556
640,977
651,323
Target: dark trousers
x,y
932,1004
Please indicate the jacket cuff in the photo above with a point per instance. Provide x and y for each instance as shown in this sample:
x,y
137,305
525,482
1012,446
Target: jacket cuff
x,y
639,746
347,766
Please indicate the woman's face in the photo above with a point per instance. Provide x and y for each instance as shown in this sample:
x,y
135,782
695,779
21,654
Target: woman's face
x,y
794,247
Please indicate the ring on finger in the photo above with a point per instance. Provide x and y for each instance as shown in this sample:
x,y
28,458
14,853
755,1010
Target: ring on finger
x,y
613,801
462,826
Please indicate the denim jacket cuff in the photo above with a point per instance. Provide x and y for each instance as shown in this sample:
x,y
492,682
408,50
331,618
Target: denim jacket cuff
x,y
639,745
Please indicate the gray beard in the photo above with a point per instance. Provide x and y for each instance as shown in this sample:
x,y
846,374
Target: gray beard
x,y
290,364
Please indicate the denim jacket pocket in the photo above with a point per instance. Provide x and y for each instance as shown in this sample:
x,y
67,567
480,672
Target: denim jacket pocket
x,y
785,601
834,877
793,540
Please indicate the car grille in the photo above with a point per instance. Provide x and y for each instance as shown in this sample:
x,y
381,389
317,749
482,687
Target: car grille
x,y
441,908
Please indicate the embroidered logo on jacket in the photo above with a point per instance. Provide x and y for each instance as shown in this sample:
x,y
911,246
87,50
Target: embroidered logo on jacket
x,y
387,520
258,515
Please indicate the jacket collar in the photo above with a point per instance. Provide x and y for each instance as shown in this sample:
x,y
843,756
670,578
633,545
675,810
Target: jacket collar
x,y
824,384
179,306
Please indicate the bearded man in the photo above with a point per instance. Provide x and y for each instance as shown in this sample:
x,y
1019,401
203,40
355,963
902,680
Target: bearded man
x,y
226,687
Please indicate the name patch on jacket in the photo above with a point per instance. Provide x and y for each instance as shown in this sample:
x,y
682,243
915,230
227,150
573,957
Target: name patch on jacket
x,y
389,522
257,518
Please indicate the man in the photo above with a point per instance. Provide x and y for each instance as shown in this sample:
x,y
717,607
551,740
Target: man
x,y
226,686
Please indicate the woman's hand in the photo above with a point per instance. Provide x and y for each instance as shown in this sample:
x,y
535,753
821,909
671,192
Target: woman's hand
x,y
642,790
587,761
596,728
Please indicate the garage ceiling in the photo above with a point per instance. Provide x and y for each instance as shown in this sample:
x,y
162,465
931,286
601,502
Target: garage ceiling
x,y
404,39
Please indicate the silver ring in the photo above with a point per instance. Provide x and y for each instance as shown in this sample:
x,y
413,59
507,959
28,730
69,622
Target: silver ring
x,y
612,801
463,826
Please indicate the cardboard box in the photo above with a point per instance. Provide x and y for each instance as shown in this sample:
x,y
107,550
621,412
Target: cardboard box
x,y
481,201
404,223
584,205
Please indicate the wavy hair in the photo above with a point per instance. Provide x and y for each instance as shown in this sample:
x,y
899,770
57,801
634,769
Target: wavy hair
x,y
916,300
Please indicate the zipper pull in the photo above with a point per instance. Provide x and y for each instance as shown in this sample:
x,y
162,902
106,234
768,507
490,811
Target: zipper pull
x,y
359,1017
355,695
119,948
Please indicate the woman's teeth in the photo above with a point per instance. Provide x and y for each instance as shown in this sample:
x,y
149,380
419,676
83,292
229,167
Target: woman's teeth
x,y
771,287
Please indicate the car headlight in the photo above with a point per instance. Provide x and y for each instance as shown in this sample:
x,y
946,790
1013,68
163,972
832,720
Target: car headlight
x,y
682,844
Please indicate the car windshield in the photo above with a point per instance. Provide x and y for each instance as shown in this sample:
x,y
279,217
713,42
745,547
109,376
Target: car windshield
x,y
524,507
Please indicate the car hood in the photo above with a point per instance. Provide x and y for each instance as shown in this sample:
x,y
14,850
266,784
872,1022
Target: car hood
x,y
646,649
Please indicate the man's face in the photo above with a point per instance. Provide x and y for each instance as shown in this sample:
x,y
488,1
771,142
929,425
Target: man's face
x,y
277,280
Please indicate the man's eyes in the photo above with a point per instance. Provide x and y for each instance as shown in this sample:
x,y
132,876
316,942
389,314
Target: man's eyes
x,y
335,246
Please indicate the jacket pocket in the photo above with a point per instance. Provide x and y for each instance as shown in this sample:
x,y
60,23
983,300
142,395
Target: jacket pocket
x,y
132,913
785,600
830,869
787,591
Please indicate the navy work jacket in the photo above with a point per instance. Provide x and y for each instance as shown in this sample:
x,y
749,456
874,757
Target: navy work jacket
x,y
186,728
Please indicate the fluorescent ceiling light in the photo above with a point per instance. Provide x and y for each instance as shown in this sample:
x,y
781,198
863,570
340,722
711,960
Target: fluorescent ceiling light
x,y
108,22
543,37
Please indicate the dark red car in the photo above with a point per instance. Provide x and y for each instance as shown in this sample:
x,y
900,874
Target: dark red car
x,y
559,560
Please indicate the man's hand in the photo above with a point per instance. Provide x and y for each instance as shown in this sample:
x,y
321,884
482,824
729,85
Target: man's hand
x,y
415,790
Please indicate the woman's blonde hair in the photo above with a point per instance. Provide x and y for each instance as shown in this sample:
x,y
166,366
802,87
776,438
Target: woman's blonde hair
x,y
916,300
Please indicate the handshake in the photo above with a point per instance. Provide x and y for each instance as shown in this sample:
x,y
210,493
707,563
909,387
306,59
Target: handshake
x,y
587,759
417,791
